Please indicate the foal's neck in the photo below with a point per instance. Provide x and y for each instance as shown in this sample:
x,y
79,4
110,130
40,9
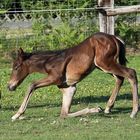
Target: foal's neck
x,y
36,64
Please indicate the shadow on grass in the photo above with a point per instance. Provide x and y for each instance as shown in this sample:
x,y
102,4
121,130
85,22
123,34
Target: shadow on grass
x,y
13,108
100,99
121,110
76,101
116,111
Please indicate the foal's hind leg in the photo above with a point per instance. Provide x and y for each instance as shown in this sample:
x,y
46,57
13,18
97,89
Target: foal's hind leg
x,y
125,72
111,101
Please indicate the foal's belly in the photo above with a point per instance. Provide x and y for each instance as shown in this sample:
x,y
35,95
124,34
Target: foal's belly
x,y
76,76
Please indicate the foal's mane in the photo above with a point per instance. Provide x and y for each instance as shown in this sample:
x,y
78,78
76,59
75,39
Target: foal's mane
x,y
45,54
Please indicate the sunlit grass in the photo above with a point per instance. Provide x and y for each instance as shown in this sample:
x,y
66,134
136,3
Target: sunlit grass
x,y
42,120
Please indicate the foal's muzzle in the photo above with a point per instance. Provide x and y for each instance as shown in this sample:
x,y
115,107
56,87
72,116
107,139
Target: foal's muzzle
x,y
11,88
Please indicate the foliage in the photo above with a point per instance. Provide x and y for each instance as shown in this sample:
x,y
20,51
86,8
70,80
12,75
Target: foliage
x,y
126,2
55,31
55,4
129,31
63,36
45,4
5,4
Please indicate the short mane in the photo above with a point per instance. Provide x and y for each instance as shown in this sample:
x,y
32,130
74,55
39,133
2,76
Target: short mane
x,y
40,55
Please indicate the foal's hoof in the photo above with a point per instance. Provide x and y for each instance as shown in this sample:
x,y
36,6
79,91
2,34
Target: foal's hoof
x,y
100,109
17,116
94,110
107,111
14,117
133,115
21,117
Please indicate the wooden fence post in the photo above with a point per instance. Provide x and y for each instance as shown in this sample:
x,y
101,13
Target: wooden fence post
x,y
106,23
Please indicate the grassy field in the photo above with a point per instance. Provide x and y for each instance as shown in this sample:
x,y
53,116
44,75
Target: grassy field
x,y
42,120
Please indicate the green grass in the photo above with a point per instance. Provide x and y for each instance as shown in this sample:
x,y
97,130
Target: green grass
x,y
42,120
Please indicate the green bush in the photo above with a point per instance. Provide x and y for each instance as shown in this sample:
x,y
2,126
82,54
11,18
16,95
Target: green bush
x,y
128,30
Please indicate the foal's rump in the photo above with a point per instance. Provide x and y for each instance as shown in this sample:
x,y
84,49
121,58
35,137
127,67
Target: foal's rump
x,y
109,49
99,50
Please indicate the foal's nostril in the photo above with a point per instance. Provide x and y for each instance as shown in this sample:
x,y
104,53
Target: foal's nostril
x,y
11,88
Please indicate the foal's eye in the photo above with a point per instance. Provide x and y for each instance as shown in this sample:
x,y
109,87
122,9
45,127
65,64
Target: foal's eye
x,y
16,67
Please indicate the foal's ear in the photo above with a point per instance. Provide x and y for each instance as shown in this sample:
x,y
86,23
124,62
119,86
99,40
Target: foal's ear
x,y
20,54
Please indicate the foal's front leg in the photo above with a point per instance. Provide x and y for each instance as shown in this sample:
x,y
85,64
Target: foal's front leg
x,y
67,99
41,83
66,104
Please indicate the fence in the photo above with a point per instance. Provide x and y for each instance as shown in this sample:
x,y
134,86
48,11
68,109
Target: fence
x,y
107,12
57,25
128,30
50,28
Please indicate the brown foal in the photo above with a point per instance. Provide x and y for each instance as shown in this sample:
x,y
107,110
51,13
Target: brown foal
x,y
65,68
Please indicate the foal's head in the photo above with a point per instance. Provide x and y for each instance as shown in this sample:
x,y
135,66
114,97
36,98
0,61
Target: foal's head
x,y
19,70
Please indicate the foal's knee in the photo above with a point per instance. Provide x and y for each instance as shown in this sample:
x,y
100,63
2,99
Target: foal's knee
x,y
63,115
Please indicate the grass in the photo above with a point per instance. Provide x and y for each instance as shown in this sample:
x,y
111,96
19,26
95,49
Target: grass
x,y
42,120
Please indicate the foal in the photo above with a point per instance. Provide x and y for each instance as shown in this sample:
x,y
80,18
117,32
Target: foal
x,y
65,68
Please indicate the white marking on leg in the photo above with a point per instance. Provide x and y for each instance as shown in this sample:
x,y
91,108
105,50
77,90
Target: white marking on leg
x,y
85,111
15,116
67,99
107,110
23,105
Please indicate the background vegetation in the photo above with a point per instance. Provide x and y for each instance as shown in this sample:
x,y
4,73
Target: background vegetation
x,y
58,29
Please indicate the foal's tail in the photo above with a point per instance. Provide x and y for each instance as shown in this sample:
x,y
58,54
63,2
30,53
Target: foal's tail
x,y
122,51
